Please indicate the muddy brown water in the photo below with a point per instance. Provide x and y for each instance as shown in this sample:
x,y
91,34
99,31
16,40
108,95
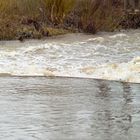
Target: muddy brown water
x,y
41,108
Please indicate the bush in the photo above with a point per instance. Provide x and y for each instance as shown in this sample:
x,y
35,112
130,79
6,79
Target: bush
x,y
85,15
57,10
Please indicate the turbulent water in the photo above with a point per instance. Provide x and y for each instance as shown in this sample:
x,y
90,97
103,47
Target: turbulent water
x,y
111,56
59,108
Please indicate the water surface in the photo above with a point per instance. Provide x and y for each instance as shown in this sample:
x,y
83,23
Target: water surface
x,y
39,108
110,56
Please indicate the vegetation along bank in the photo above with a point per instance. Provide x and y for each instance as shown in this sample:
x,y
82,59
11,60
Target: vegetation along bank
x,y
23,19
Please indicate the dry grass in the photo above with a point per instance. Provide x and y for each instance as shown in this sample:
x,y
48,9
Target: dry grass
x,y
102,14
88,15
57,10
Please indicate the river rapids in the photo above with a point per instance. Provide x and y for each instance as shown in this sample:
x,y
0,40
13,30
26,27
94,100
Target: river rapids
x,y
109,56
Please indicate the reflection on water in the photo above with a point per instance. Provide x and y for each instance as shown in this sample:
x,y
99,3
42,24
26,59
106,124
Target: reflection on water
x,y
68,109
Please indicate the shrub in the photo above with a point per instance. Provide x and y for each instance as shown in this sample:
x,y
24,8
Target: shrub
x,y
86,15
57,10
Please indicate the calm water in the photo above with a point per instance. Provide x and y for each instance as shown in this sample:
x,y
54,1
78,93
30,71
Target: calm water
x,y
39,108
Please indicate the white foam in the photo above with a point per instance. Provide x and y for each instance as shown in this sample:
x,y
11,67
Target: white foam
x,y
118,35
127,72
94,57
99,39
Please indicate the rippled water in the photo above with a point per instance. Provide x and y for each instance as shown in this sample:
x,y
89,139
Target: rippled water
x,y
111,56
38,108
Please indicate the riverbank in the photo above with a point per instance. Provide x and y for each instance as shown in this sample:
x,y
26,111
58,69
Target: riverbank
x,y
16,28
31,19
36,19
20,29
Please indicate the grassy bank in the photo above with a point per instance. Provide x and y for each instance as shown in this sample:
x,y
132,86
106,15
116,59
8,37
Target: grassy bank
x,y
21,19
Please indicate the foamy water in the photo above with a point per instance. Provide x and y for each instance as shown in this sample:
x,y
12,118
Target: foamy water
x,y
103,56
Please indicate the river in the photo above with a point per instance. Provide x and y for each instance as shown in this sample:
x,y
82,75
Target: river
x,y
71,87
40,108
109,56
